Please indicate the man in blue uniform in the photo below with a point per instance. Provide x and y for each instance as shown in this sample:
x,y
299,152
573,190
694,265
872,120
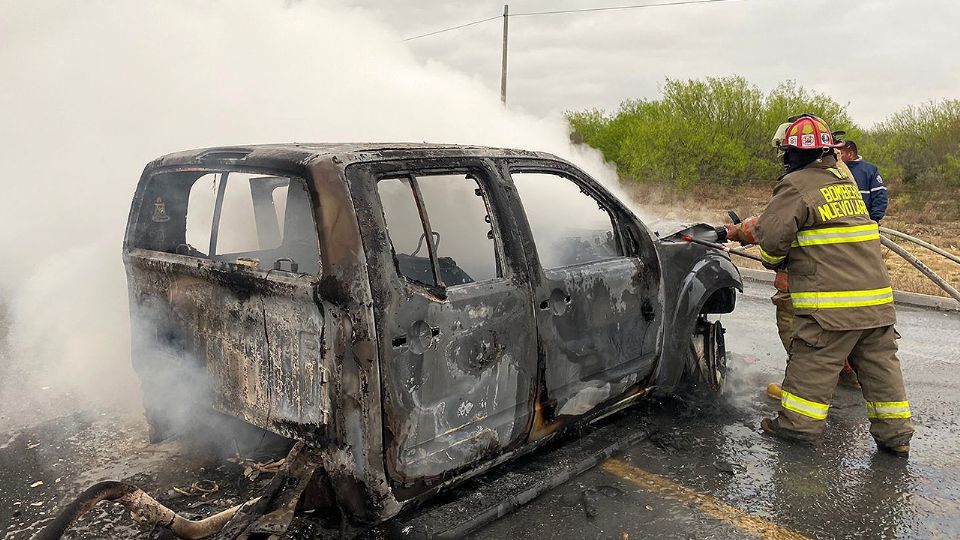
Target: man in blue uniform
x,y
871,185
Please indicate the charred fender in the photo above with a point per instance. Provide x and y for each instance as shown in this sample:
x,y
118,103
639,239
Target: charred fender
x,y
708,287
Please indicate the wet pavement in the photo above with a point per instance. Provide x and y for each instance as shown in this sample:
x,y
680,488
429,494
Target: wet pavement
x,y
842,489
705,471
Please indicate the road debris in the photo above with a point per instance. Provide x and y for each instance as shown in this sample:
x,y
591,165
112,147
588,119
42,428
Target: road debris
x,y
588,507
142,507
588,497
204,487
252,468
671,441
725,467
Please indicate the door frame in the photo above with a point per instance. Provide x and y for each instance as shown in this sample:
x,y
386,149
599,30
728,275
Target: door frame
x,y
391,287
634,241
257,292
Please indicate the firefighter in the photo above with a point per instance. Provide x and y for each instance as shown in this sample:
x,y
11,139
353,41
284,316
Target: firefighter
x,y
781,298
818,229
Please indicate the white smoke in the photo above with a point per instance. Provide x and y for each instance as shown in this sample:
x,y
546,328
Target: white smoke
x,y
91,91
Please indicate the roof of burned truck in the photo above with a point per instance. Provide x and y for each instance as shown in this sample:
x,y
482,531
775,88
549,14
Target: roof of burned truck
x,y
305,153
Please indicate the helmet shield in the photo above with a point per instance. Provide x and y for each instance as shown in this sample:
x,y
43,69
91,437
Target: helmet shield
x,y
780,135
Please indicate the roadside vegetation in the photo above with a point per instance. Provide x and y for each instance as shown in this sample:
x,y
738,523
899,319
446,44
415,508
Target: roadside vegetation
x,y
704,146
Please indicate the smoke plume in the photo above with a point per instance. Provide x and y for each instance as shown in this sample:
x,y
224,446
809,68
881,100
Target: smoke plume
x,y
92,91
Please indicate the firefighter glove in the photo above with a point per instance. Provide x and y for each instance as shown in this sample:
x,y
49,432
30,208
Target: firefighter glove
x,y
741,232
731,232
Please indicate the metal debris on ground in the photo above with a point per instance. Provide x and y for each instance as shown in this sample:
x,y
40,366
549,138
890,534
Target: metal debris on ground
x,y
588,497
252,469
203,487
588,507
671,441
725,467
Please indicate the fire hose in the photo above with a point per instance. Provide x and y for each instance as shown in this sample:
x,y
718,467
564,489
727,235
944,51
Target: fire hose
x,y
142,507
924,269
920,242
722,247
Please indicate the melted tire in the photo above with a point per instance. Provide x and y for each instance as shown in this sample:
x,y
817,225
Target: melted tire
x,y
708,364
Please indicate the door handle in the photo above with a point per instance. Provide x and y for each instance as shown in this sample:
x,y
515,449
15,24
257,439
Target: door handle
x,y
557,303
418,338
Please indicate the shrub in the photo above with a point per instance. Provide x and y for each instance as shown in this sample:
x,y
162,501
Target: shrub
x,y
715,130
920,144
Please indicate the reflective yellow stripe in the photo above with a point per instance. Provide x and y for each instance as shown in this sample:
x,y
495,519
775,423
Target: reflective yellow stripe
x,y
770,259
837,235
836,172
888,409
811,409
841,299
827,230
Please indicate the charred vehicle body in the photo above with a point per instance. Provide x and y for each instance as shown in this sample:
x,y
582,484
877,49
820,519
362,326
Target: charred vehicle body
x,y
413,313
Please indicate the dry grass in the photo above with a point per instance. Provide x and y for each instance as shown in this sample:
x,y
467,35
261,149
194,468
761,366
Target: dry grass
x,y
934,221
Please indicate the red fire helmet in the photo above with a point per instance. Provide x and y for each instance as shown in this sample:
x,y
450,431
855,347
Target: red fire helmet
x,y
809,133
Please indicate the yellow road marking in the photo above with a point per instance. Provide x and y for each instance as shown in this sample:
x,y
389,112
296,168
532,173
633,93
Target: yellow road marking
x,y
659,485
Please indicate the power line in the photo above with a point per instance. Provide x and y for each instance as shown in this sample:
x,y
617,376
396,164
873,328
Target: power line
x,y
453,28
612,8
561,12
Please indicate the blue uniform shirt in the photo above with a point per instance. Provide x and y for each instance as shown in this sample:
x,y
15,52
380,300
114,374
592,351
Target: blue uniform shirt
x,y
872,189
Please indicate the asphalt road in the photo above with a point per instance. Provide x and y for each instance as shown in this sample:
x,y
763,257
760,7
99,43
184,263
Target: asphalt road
x,y
709,473
706,472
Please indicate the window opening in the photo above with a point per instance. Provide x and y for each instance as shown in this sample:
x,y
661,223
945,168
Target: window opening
x,y
459,219
448,214
200,205
569,226
412,244
245,218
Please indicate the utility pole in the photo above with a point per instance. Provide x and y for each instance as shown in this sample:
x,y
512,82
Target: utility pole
x,y
503,65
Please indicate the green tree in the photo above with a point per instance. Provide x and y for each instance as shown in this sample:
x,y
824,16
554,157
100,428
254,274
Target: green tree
x,y
712,130
919,144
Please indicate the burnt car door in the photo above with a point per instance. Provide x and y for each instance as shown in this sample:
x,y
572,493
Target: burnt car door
x,y
221,266
458,342
596,286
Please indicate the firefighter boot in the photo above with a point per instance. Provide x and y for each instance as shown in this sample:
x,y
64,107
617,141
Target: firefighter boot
x,y
898,450
848,377
770,426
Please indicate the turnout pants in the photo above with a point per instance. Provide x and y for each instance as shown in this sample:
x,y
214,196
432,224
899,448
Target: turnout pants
x,y
784,304
781,299
816,359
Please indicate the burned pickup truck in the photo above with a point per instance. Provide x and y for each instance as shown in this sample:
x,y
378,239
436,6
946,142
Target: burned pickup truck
x,y
412,313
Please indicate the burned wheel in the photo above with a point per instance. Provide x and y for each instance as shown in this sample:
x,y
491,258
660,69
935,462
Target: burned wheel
x,y
709,356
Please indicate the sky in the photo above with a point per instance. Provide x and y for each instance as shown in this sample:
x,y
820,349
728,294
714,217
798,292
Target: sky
x,y
875,56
